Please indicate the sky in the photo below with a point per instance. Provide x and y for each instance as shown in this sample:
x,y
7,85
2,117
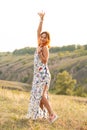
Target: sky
x,y
65,20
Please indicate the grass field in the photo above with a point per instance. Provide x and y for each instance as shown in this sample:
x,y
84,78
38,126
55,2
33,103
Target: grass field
x,y
72,112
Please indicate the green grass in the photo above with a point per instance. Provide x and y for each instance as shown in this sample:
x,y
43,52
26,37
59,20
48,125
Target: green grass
x,y
72,112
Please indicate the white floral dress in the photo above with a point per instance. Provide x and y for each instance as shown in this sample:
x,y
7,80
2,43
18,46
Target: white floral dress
x,y
41,78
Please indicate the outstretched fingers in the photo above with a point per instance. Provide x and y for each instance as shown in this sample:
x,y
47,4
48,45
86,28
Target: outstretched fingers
x,y
41,14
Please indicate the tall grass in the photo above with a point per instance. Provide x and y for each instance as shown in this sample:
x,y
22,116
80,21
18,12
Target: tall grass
x,y
72,112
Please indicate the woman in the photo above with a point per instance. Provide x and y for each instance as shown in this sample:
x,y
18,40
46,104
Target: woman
x,y
39,106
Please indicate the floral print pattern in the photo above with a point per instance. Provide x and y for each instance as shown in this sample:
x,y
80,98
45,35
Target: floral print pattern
x,y
41,78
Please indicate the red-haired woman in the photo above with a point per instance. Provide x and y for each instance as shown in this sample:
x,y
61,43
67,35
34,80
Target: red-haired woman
x,y
39,106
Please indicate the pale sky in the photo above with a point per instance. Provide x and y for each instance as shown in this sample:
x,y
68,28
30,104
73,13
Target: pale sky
x,y
66,20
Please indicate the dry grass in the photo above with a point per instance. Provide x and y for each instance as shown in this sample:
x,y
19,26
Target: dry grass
x,y
14,85
72,112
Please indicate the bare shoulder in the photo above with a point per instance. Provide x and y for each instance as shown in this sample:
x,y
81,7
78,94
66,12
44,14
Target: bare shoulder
x,y
45,48
46,51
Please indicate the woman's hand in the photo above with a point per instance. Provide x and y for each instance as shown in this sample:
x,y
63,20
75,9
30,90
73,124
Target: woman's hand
x,y
41,14
39,50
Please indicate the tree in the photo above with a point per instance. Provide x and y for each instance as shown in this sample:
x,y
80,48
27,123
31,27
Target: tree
x,y
64,83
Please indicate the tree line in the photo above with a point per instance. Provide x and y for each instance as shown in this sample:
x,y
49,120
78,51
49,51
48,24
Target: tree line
x,y
31,50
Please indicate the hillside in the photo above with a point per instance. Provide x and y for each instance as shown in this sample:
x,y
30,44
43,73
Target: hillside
x,y
12,85
18,66
72,111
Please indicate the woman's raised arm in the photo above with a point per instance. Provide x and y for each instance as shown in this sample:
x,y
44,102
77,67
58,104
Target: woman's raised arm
x,y
41,14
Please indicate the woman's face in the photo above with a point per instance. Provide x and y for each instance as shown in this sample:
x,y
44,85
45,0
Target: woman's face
x,y
43,39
